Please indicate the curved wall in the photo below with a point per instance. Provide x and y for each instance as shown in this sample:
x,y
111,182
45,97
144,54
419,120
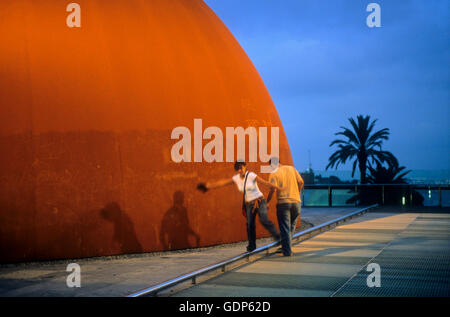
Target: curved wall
x,y
86,119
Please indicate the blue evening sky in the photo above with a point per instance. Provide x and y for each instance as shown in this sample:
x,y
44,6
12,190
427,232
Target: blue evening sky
x,y
322,64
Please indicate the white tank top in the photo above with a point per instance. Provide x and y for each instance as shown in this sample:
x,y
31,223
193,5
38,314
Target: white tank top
x,y
252,191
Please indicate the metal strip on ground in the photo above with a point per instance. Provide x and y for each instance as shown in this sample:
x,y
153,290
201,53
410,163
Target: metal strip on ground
x,y
222,266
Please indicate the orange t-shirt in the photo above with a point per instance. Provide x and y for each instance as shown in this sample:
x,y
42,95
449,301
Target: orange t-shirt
x,y
288,178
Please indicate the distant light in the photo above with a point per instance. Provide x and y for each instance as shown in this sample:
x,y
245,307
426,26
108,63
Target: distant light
x,y
429,194
403,200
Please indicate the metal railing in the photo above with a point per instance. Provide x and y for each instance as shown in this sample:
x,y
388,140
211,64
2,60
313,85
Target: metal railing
x,y
332,195
299,236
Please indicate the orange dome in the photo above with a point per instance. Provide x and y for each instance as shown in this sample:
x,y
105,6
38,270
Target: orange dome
x,y
86,120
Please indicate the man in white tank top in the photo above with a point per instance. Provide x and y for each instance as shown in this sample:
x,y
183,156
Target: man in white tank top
x,y
255,202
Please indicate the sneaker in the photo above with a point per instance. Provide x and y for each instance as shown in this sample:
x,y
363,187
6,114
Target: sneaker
x,y
250,249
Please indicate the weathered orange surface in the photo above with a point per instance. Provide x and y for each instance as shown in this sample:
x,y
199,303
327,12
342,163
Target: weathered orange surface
x,y
85,122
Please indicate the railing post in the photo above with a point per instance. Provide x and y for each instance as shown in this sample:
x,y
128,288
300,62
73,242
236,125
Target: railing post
x,y
303,196
410,196
330,202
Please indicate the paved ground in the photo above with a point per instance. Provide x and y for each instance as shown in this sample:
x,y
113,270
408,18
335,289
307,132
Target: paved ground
x,y
122,275
412,251
330,264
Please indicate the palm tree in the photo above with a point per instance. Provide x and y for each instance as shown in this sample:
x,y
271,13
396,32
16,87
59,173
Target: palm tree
x,y
361,144
393,174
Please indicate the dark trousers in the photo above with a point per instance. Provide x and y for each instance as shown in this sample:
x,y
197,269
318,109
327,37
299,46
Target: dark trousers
x,y
263,218
287,215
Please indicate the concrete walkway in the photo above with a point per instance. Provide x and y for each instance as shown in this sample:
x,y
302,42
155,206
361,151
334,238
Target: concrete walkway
x,y
412,251
123,275
408,247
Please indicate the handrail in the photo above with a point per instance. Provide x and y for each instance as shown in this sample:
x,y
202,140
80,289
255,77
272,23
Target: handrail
x,y
401,193
191,276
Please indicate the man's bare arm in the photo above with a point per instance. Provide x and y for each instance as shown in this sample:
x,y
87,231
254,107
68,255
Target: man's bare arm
x,y
299,180
269,197
300,185
266,183
219,183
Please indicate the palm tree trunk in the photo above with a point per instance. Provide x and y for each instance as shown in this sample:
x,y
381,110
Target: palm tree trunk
x,y
362,169
363,189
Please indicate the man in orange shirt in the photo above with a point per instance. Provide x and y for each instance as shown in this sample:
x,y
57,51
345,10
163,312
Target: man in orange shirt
x,y
288,200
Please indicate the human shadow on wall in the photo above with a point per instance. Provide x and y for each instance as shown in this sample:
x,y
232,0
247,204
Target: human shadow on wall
x,y
124,233
175,228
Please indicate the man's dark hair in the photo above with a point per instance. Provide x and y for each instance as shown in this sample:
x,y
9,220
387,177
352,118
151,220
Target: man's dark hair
x,y
274,161
238,165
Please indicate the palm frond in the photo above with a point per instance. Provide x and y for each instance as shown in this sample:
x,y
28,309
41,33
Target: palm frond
x,y
350,135
356,129
382,134
362,143
341,156
338,142
354,167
